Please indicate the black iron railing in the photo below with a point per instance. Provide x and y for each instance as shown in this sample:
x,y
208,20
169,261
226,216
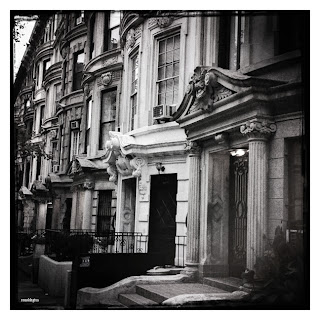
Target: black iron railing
x,y
65,244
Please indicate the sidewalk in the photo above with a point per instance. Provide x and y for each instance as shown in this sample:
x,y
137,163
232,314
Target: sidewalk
x,y
30,296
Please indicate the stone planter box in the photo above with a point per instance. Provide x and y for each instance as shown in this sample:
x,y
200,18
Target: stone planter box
x,y
53,276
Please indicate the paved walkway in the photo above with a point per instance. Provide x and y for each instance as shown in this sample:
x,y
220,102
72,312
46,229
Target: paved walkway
x,y
31,296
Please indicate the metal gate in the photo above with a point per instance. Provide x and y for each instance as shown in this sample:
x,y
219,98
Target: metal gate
x,y
238,215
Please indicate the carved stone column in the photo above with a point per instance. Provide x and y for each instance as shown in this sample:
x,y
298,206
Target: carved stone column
x,y
193,217
258,134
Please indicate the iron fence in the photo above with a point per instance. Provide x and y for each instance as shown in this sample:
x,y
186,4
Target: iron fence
x,y
65,244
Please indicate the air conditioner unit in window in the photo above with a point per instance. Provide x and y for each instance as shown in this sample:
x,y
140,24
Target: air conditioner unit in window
x,y
79,20
163,111
55,168
74,125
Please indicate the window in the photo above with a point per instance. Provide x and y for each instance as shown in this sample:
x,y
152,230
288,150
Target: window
x,y
37,75
79,17
112,35
108,115
134,88
64,77
27,174
168,70
88,124
57,92
41,115
26,105
77,69
224,40
92,36
105,219
38,167
46,65
74,143
29,125
291,30
55,154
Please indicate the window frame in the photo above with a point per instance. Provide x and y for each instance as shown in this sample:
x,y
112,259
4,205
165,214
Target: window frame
x,y
165,37
77,74
88,124
113,89
108,31
74,133
134,78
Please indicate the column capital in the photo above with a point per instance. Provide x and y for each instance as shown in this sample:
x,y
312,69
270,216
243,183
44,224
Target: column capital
x,y
258,130
192,148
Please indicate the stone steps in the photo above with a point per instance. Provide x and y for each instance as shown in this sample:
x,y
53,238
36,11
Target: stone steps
x,y
229,284
134,299
154,295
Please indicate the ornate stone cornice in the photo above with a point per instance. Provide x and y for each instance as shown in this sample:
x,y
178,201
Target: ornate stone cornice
x,y
258,129
192,148
206,90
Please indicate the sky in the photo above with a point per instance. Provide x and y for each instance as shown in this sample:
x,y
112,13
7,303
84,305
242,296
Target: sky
x,y
21,46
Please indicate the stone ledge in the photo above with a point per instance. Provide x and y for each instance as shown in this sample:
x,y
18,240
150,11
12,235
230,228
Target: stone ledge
x,y
207,297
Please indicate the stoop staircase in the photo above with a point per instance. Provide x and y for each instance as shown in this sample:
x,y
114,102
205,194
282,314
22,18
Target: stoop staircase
x,y
148,296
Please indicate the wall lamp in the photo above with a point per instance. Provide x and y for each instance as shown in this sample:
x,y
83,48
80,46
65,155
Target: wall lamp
x,y
238,152
160,167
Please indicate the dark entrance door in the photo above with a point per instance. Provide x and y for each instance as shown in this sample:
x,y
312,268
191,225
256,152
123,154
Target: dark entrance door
x,y
162,222
238,215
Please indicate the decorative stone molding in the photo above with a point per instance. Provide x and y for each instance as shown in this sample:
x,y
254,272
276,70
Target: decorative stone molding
x,y
142,188
222,138
52,134
164,22
130,39
88,185
215,209
87,89
64,52
123,165
137,164
258,129
127,219
106,78
161,22
192,147
220,93
112,171
202,86
137,32
110,61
